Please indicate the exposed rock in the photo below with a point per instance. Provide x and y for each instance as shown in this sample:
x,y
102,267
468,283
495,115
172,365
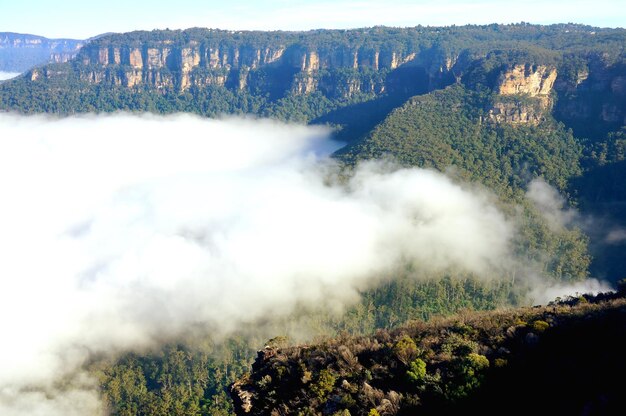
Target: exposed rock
x,y
117,56
572,83
135,59
533,83
156,58
235,61
516,113
534,80
305,84
132,78
404,60
34,75
242,398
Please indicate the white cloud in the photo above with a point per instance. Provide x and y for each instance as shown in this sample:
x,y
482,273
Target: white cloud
x,y
615,236
543,293
119,231
550,204
8,75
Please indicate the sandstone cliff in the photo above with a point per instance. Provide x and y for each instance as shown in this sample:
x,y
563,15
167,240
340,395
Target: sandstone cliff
x,y
245,60
536,80
526,94
581,88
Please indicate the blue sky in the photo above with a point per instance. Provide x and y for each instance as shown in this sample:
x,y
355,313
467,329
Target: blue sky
x,y
82,19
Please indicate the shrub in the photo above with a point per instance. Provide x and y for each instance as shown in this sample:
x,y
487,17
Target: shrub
x,y
324,384
417,371
540,326
405,349
477,361
500,362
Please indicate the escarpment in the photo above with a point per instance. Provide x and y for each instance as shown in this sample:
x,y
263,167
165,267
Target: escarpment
x,y
524,94
338,64
534,80
210,71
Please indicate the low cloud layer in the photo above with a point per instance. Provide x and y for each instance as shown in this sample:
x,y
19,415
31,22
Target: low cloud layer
x,y
8,75
550,204
119,231
543,293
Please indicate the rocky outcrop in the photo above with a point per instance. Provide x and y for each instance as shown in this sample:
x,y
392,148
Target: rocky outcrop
x,y
533,80
344,64
361,375
242,398
517,112
340,69
592,97
533,84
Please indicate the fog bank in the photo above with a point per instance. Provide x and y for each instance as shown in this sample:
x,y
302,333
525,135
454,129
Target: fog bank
x,y
121,231
8,75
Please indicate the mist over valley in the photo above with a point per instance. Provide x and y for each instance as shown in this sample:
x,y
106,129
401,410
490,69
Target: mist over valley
x,y
329,222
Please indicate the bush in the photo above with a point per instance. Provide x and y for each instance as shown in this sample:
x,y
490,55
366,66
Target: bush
x,y
405,349
417,371
540,326
324,384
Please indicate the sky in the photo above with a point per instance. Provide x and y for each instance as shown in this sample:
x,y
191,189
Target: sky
x,y
81,19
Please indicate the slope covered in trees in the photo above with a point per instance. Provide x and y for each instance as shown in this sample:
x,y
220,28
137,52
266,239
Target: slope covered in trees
x,y
359,81
309,75
450,130
473,362
442,106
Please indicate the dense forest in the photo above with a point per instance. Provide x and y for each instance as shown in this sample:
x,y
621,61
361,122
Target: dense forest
x,y
473,362
496,107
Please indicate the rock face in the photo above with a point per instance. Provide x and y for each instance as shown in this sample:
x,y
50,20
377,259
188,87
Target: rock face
x,y
535,80
196,64
517,113
242,398
347,65
250,60
534,85
592,99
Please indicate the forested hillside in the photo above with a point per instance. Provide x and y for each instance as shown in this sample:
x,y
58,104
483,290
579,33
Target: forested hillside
x,y
532,117
473,362
523,101
306,75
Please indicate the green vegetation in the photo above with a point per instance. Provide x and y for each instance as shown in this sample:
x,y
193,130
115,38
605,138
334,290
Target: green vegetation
x,y
436,112
178,380
450,130
466,363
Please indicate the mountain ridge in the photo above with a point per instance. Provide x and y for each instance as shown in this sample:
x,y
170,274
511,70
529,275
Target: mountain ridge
x,y
20,51
496,107
330,69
